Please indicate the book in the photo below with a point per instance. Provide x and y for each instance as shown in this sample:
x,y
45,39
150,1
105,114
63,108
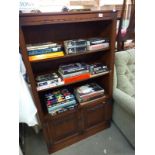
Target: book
x,y
44,50
97,68
48,76
51,85
46,56
73,74
88,92
98,46
71,68
40,45
89,89
95,41
61,105
76,78
60,110
48,80
59,100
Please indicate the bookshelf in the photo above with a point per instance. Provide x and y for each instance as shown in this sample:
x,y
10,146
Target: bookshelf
x,y
89,117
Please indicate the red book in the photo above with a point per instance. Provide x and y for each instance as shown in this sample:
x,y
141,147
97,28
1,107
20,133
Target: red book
x,y
76,78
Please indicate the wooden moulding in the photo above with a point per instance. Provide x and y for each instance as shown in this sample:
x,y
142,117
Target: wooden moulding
x,y
68,17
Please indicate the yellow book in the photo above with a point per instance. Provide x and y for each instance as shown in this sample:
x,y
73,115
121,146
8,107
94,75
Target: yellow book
x,y
46,56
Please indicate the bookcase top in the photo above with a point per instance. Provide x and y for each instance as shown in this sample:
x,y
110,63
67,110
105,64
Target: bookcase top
x,y
28,19
65,13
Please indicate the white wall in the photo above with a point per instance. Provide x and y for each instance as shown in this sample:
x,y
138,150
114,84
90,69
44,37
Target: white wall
x,y
54,5
109,2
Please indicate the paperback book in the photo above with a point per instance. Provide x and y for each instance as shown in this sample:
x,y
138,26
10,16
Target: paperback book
x,y
59,101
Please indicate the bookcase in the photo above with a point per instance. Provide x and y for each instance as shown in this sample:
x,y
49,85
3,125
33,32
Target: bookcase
x,y
93,116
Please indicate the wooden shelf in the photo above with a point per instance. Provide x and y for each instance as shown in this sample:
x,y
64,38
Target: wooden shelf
x,y
72,55
88,117
92,76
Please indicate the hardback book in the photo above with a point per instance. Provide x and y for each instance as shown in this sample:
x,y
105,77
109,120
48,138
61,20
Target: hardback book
x,y
71,68
89,89
51,85
44,50
61,105
97,68
88,92
60,110
46,56
75,46
98,46
73,74
46,77
48,81
76,78
57,100
40,45
96,41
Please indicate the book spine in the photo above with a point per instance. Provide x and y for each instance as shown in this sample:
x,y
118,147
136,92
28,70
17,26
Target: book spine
x,y
62,105
43,51
48,82
41,46
72,70
52,85
98,46
73,74
77,78
45,56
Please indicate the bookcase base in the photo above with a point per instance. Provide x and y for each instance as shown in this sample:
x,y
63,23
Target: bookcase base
x,y
77,137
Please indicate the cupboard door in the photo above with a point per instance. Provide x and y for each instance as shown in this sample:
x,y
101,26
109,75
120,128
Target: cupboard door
x,y
63,127
94,115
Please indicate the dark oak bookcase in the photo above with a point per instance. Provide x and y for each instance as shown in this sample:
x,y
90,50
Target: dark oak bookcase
x,y
90,117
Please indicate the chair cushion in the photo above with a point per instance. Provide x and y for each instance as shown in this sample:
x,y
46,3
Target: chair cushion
x,y
125,71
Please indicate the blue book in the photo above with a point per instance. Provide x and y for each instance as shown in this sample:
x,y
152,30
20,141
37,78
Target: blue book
x,y
62,105
44,50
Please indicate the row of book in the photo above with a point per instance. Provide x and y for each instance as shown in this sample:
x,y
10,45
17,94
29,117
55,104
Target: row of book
x,y
69,73
46,50
63,100
59,101
82,45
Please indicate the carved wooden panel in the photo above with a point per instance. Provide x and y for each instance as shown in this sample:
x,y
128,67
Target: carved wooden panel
x,y
61,128
94,115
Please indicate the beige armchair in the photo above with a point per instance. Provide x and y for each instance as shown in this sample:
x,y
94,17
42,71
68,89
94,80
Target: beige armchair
x,y
124,94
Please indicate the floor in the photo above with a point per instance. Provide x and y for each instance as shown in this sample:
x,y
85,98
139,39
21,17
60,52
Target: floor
x,y
107,142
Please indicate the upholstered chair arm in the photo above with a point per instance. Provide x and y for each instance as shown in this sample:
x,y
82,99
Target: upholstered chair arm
x,y
124,100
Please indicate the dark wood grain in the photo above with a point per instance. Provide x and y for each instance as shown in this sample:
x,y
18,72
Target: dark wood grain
x,y
90,117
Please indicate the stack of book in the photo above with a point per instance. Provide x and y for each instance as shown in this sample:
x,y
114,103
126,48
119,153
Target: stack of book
x,y
88,92
48,80
74,72
44,51
75,46
97,68
97,43
60,101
